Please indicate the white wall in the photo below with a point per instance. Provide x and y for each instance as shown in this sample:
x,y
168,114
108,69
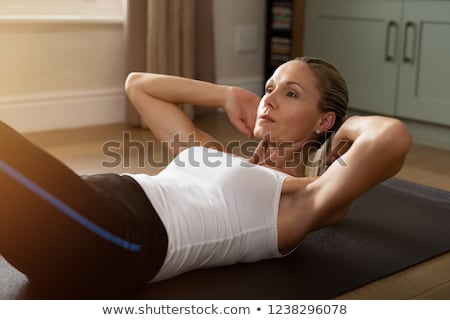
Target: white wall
x,y
232,67
62,63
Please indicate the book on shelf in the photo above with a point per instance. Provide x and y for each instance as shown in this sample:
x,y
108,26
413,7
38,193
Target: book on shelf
x,y
280,45
277,59
281,15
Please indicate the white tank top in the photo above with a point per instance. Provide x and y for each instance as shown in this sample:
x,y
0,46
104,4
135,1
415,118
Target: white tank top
x,y
218,209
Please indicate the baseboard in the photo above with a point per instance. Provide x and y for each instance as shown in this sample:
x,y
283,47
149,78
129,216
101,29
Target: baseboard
x,y
63,110
429,134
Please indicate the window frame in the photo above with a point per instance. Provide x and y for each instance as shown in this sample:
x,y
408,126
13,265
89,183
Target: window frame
x,y
62,11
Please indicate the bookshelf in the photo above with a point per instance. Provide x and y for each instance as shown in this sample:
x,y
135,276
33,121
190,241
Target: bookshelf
x,y
284,32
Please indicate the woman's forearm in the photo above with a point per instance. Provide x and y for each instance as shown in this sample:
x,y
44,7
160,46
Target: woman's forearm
x,y
177,90
383,140
156,98
378,147
388,132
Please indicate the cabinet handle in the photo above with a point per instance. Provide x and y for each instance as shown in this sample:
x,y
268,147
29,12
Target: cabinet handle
x,y
387,56
409,26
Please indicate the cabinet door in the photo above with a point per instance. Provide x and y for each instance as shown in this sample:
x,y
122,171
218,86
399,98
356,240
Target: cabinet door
x,y
424,89
360,37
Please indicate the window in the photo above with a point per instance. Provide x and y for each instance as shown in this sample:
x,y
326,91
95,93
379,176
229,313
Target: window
x,y
58,9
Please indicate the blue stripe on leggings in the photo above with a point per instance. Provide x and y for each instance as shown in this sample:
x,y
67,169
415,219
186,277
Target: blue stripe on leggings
x,y
64,208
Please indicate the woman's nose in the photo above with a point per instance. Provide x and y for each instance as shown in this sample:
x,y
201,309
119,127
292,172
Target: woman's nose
x,y
270,99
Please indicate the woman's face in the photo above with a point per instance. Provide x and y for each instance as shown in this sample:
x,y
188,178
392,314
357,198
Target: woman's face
x,y
288,111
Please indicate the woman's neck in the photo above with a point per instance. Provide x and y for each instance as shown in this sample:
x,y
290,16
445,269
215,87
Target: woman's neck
x,y
288,158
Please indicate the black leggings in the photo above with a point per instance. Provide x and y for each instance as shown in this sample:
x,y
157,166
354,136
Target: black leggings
x,y
89,236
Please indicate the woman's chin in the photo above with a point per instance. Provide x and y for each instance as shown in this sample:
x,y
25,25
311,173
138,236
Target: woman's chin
x,y
263,136
261,129
258,133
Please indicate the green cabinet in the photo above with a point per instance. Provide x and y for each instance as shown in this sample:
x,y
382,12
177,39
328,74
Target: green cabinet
x,y
394,54
424,77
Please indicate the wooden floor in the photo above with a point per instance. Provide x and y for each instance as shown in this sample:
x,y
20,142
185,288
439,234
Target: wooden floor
x,y
96,150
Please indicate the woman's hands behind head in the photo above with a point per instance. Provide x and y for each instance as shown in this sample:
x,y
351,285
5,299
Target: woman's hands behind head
x,y
241,106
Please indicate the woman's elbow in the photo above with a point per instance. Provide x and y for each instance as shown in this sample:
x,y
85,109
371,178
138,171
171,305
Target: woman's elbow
x,y
132,83
397,143
400,139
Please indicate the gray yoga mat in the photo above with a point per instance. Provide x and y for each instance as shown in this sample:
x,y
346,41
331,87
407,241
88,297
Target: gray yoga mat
x,y
394,226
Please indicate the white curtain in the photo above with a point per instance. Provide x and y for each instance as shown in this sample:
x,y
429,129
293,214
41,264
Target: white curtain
x,y
171,37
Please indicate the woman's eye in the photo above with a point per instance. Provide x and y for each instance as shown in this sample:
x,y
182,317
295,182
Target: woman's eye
x,y
268,90
292,94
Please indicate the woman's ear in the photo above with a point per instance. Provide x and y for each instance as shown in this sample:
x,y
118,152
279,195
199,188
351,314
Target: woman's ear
x,y
327,121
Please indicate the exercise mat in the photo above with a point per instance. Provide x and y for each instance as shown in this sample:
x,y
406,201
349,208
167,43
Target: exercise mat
x,y
394,226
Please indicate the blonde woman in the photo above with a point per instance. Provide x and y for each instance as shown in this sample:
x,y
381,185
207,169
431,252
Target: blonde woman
x,y
114,233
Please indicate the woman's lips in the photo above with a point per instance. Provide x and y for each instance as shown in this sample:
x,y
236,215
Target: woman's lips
x,y
266,117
